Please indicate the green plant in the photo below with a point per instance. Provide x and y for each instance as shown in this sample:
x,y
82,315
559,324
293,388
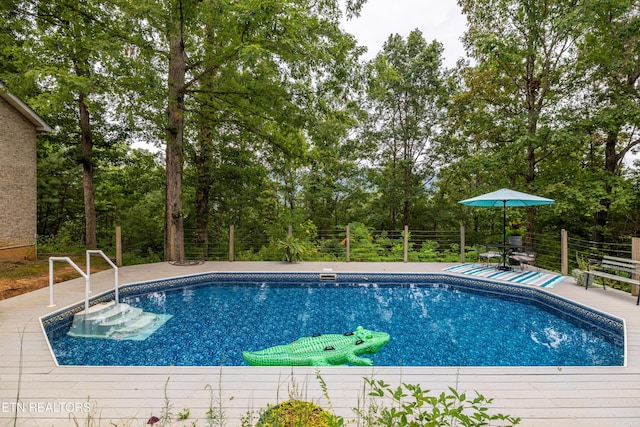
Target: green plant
x,y
578,276
364,247
429,251
578,273
65,241
295,413
292,249
583,264
165,414
413,406
216,415
247,419
334,421
184,414
514,228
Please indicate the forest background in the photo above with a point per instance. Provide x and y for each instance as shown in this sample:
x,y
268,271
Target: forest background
x,y
264,115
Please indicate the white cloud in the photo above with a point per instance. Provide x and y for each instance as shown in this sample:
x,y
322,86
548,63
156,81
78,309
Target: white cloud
x,y
438,20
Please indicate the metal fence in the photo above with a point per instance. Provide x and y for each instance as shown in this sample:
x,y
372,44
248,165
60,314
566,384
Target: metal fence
x,y
366,245
581,251
327,245
555,252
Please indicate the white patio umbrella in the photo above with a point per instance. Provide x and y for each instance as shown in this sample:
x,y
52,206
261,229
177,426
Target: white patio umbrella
x,y
503,198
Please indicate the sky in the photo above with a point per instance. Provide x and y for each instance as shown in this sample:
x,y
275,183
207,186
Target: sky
x,y
440,20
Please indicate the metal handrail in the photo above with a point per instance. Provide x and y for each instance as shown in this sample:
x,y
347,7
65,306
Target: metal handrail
x,y
115,269
73,264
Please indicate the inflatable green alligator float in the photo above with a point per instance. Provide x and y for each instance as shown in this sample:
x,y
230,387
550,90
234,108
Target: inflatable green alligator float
x,y
318,350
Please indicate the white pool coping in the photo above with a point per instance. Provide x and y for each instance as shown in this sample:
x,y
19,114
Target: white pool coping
x,y
52,395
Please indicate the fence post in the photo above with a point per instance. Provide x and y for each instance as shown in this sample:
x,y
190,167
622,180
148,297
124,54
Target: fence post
x,y
290,230
564,252
406,243
348,245
118,246
462,243
635,255
231,248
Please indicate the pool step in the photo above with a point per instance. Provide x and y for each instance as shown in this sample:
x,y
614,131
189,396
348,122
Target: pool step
x,y
116,321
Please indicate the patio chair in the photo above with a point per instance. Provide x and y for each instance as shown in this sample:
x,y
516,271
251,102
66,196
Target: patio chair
x,y
528,257
488,255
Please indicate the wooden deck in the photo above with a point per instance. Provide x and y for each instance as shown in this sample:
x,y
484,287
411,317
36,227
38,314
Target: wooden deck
x,y
51,395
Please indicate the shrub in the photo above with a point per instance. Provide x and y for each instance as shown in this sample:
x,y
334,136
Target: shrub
x,y
295,413
292,248
412,406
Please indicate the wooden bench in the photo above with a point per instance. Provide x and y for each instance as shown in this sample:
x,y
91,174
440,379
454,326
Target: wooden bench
x,y
618,265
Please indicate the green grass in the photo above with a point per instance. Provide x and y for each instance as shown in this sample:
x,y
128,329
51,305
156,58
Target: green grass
x,y
17,270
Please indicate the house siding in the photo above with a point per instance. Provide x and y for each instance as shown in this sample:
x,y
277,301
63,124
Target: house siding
x,y
18,184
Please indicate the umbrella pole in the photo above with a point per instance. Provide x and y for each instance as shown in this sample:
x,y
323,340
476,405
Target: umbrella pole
x,y
504,222
504,236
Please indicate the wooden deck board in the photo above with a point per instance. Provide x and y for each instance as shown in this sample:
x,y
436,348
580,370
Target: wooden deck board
x,y
541,396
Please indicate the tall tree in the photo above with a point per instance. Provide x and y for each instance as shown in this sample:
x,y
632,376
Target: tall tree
x,y
277,49
130,194
609,68
409,92
524,51
179,11
333,185
64,50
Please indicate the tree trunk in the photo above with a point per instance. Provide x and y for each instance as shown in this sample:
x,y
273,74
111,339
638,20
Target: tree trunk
x,y
174,215
203,163
393,186
610,166
86,147
534,106
406,205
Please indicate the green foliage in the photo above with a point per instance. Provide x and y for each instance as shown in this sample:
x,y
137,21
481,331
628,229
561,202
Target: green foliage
x,y
471,253
284,124
166,416
363,245
334,421
408,95
411,406
216,413
292,249
184,414
66,241
295,413
430,253
583,264
407,405
515,228
578,276
328,249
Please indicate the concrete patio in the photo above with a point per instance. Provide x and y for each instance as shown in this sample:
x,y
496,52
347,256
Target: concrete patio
x,y
51,395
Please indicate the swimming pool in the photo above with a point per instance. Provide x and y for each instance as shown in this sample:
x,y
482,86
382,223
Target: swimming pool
x,y
433,320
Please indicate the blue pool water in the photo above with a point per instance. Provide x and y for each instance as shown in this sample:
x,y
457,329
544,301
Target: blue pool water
x,y
430,323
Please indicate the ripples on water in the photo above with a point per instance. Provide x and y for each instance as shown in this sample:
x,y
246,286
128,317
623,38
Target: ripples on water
x,y
429,326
